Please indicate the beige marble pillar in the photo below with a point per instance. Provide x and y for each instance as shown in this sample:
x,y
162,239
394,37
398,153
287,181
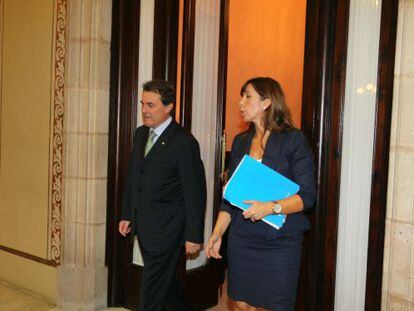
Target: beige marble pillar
x,y
82,276
398,277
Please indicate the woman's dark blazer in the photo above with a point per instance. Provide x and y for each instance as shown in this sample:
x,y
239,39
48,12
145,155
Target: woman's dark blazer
x,y
288,153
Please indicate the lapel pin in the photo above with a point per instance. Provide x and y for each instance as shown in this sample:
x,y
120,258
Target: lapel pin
x,y
163,143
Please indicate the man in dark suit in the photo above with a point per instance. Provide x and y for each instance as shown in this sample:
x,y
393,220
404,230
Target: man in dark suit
x,y
164,197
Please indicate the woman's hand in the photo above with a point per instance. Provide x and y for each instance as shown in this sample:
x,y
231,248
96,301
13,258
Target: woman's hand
x,y
257,210
212,248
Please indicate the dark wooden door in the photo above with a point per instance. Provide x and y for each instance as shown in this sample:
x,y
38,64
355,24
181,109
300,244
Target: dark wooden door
x,y
323,98
322,101
322,106
201,284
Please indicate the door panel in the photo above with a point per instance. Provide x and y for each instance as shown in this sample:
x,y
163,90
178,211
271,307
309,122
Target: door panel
x,y
323,86
129,69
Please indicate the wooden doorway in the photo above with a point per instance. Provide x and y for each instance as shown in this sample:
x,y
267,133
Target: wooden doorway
x,y
201,283
322,100
325,48
322,105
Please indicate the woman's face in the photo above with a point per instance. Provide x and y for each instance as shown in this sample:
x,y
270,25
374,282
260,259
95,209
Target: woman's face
x,y
251,106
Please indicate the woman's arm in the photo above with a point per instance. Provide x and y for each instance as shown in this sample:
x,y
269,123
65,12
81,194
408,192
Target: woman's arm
x,y
212,248
290,205
258,210
223,222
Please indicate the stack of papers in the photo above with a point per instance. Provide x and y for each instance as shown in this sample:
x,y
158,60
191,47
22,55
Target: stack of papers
x,y
253,180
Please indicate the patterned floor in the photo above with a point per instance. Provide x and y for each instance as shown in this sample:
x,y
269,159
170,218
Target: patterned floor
x,y
15,299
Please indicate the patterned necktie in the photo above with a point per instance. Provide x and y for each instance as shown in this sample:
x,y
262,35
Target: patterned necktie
x,y
150,142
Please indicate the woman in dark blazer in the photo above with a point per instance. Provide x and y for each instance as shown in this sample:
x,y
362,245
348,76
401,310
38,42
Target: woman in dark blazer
x,y
263,263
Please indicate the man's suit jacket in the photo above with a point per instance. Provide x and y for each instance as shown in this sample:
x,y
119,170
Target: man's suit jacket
x,y
165,191
288,153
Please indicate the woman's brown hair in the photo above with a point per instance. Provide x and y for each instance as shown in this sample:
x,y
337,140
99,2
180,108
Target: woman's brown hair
x,y
277,116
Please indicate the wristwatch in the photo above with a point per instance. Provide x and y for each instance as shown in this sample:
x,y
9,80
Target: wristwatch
x,y
277,208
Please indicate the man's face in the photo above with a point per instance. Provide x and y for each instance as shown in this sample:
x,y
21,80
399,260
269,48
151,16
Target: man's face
x,y
153,110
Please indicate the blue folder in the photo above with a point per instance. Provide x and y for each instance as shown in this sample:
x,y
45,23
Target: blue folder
x,y
253,180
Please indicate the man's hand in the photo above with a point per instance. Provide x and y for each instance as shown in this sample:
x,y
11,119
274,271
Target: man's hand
x,y
191,248
124,227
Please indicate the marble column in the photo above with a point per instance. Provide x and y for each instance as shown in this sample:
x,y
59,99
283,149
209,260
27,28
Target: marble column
x,y
82,276
398,277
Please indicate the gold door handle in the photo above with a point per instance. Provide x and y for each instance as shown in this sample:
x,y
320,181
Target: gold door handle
x,y
223,157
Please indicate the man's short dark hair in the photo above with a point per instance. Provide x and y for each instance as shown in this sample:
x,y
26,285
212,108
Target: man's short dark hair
x,y
163,88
